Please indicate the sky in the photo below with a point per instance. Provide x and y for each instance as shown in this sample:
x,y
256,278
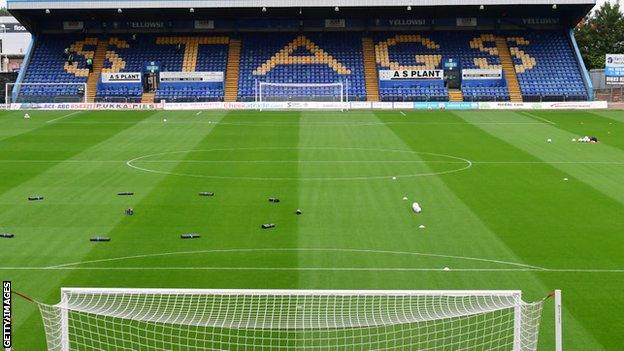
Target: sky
x,y
598,2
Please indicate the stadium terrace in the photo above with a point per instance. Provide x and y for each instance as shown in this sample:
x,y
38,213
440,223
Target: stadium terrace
x,y
343,54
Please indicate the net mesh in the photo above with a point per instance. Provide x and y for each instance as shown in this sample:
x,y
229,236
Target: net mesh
x,y
143,320
25,93
324,92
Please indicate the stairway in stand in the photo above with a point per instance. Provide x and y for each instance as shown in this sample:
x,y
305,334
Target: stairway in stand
x,y
148,98
232,73
456,95
509,70
98,63
370,70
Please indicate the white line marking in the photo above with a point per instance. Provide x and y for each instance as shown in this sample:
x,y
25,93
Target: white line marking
x,y
404,253
540,118
64,116
402,113
198,113
315,124
331,269
329,161
468,164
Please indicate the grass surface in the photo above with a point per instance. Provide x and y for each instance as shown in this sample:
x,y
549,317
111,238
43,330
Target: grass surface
x,y
490,186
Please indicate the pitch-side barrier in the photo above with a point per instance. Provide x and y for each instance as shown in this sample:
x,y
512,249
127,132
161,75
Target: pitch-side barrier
x,y
567,105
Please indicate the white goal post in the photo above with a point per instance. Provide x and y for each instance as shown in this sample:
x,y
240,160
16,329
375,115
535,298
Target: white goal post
x,y
92,319
45,93
301,92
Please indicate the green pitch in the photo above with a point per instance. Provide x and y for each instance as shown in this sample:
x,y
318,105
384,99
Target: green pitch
x,y
496,208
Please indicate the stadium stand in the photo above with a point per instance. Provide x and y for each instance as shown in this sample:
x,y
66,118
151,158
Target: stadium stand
x,y
310,58
47,65
536,65
547,70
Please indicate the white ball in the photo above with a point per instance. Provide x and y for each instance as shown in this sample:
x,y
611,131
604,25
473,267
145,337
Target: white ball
x,y
446,269
422,226
565,179
404,197
393,178
573,139
165,120
549,140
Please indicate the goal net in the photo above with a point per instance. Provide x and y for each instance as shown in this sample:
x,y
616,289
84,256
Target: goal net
x,y
300,92
179,319
25,93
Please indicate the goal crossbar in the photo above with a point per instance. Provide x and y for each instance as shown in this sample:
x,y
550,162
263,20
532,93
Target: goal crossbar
x,y
334,91
294,292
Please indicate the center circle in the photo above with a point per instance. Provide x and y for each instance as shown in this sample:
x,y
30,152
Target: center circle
x,y
299,163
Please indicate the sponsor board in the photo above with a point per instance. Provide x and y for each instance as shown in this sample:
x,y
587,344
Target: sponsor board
x,y
479,74
466,22
403,22
204,24
14,28
73,25
335,23
317,105
403,105
540,20
147,24
579,105
565,105
193,77
614,80
382,105
614,67
574,105
442,105
361,105
506,105
429,74
194,106
85,106
121,77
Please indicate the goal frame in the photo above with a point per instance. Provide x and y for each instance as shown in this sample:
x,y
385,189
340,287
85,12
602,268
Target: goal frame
x,y
10,93
343,88
516,294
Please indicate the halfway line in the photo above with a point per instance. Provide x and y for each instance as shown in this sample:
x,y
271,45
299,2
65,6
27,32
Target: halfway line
x,y
540,118
64,116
